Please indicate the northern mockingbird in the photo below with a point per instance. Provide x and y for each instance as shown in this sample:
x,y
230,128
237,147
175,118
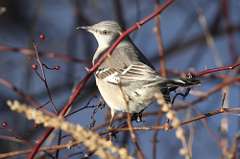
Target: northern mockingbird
x,y
126,80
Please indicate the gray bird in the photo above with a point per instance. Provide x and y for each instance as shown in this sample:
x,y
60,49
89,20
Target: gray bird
x,y
126,80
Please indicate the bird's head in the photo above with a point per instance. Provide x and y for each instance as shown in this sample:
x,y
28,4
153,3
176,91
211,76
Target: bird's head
x,y
105,32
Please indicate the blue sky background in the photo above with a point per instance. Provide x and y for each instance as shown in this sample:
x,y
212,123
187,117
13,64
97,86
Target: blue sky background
x,y
25,20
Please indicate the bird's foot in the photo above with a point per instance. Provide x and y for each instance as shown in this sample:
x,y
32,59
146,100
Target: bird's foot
x,y
137,116
111,133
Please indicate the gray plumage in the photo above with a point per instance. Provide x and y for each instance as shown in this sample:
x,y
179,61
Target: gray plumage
x,y
126,80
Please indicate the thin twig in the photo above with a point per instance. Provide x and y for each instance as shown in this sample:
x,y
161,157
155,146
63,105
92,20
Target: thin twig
x,y
160,46
12,139
47,54
43,77
210,92
29,99
209,38
47,149
58,143
133,137
167,127
230,36
163,73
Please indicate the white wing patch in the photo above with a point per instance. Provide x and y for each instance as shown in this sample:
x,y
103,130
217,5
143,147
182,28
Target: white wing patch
x,y
109,75
113,78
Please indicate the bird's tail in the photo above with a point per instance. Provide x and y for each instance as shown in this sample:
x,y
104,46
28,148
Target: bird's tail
x,y
170,85
173,84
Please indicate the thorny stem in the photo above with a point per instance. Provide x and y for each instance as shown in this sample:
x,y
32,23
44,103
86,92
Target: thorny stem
x,y
83,82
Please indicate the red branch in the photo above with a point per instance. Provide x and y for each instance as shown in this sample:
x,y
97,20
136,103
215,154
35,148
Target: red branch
x,y
213,70
83,82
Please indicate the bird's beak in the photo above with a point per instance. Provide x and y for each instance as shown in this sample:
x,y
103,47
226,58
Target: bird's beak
x,y
84,28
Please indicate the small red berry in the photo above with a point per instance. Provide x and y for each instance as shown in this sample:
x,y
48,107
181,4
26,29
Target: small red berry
x,y
34,66
42,36
4,124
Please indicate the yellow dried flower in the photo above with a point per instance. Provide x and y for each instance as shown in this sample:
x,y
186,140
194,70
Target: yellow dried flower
x,y
183,151
180,133
170,115
165,108
102,147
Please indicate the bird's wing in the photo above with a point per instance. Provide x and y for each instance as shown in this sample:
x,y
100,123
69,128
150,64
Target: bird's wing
x,y
138,71
132,73
140,55
127,64
108,74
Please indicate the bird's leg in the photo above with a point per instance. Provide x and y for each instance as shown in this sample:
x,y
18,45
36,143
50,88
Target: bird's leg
x,y
111,119
111,134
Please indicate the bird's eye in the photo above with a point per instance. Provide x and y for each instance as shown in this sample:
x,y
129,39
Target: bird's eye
x,y
105,32
190,76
